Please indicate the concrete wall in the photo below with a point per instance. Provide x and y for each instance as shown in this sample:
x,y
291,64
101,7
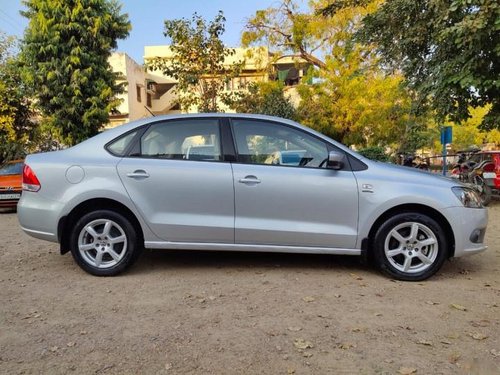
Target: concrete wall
x,y
133,74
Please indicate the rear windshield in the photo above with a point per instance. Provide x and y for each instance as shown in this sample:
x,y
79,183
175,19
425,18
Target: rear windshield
x,y
11,168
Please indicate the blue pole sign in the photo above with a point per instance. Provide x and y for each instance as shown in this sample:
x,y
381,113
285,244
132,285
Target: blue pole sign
x,y
446,137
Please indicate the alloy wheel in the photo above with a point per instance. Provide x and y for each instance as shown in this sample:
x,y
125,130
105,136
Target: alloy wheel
x,y
411,247
102,243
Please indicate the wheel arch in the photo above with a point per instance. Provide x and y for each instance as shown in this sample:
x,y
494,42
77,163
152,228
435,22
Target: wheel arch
x,y
66,222
414,208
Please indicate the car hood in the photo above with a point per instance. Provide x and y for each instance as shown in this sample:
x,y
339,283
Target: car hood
x,y
407,174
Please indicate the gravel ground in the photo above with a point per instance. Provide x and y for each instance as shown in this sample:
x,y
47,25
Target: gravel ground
x,y
239,313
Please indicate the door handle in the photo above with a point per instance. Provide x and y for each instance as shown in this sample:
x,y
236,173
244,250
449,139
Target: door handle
x,y
138,174
249,180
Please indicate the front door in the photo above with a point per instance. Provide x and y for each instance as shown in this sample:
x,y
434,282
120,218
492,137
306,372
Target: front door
x,y
285,195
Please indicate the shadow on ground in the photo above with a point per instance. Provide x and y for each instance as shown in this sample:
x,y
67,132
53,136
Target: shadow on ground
x,y
229,259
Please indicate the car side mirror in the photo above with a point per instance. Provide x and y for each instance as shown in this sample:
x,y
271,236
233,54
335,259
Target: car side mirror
x,y
335,160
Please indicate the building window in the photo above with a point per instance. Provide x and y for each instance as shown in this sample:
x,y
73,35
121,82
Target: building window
x,y
138,91
148,100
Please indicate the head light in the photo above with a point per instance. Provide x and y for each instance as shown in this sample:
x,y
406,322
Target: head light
x,y
467,196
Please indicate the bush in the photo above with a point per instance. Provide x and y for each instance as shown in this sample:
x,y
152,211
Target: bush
x,y
374,153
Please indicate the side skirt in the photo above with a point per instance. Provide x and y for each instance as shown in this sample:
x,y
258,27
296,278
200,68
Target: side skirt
x,y
248,247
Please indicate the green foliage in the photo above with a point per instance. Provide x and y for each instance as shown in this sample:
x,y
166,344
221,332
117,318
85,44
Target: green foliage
x,y
468,133
354,99
336,5
418,134
449,52
266,98
66,49
374,153
17,129
197,62
288,31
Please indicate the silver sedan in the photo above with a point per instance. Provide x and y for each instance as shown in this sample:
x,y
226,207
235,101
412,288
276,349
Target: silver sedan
x,y
242,183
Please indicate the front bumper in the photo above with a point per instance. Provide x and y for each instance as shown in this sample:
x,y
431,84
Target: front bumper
x,y
469,228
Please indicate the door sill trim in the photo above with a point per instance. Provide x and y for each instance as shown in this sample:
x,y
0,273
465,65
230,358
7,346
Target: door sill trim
x,y
249,247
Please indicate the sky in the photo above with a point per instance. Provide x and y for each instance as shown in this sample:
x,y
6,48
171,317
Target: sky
x,y
147,18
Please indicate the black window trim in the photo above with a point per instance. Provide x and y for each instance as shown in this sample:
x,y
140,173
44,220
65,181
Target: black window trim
x,y
329,146
139,130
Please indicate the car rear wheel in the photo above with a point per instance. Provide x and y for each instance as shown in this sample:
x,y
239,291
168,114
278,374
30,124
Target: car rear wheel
x,y
104,243
410,247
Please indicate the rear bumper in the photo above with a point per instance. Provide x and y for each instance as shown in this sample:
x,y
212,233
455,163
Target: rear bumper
x,y
9,203
39,217
469,227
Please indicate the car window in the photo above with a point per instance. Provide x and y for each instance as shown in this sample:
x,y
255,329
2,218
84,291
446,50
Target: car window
x,y
262,142
183,139
119,146
487,156
11,169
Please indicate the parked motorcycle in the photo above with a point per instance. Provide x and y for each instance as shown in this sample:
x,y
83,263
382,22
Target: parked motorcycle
x,y
471,173
415,162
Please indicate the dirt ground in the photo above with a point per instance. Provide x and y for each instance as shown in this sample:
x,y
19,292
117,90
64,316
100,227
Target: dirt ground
x,y
238,313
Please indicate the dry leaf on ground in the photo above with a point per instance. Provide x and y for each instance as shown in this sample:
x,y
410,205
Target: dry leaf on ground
x,y
478,336
424,342
355,277
454,357
346,346
302,344
458,307
407,370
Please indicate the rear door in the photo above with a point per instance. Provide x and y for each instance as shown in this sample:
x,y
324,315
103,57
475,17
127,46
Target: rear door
x,y
179,182
284,194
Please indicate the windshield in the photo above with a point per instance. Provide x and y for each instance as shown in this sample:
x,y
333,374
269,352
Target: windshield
x,y
11,168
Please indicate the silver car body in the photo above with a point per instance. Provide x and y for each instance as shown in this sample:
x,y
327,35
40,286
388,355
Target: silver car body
x,y
204,206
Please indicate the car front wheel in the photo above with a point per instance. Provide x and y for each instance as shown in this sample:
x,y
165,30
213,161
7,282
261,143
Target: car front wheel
x,y
104,243
410,246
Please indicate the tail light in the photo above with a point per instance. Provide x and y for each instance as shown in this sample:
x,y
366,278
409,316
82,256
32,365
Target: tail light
x,y
30,181
490,167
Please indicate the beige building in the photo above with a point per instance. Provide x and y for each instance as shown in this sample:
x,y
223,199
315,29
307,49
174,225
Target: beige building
x,y
133,100
152,93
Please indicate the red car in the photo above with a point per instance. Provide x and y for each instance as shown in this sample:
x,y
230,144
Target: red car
x,y
490,162
11,176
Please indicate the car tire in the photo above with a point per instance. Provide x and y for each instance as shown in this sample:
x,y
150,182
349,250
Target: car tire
x,y
410,246
104,243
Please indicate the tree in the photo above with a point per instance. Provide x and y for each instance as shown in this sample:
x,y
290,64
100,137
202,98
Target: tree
x,y
374,153
266,98
17,129
449,51
288,30
468,133
66,49
198,62
353,100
